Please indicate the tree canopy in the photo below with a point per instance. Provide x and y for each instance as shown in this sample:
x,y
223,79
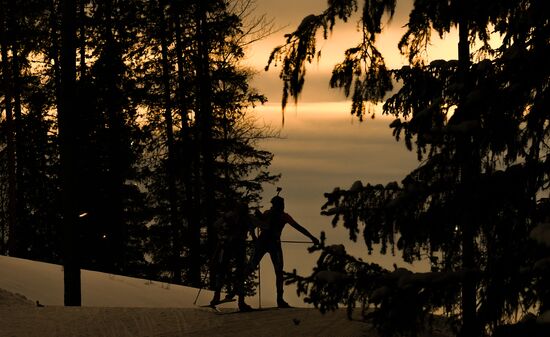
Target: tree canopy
x,y
479,125
141,110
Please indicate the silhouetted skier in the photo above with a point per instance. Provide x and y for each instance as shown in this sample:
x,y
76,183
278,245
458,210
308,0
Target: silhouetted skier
x,y
269,241
232,231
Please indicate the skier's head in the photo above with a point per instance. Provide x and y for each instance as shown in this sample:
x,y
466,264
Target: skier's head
x,y
278,203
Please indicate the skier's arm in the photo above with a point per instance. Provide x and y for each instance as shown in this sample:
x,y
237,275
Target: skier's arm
x,y
301,229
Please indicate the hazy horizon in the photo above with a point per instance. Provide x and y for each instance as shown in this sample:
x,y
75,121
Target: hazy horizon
x,y
322,146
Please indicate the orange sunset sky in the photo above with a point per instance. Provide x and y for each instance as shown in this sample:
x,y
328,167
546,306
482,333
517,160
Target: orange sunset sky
x,y
322,146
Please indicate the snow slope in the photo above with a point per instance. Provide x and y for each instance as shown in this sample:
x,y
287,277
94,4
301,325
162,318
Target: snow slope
x,y
43,282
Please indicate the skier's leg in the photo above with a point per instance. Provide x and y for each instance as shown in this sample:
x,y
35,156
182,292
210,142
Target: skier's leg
x,y
241,275
277,259
217,268
236,285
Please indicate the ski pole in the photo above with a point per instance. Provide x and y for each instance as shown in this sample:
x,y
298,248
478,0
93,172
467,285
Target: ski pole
x,y
200,289
259,279
204,278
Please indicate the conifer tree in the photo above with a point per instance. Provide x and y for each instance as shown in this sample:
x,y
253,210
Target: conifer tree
x,y
102,106
478,124
237,168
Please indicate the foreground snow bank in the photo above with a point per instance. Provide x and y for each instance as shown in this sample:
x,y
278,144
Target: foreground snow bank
x,y
38,281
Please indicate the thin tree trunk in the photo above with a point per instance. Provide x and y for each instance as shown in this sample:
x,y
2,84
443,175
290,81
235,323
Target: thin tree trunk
x,y
114,120
56,76
190,160
10,142
171,165
68,151
204,119
20,234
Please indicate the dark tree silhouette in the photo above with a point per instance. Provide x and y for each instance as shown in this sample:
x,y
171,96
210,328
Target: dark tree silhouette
x,y
34,202
480,130
234,135
112,140
128,129
67,121
9,150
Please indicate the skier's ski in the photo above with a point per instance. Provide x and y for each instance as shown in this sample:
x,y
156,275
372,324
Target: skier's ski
x,y
237,311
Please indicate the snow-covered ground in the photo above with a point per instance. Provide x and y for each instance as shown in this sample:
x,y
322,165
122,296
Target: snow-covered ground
x,y
43,282
118,306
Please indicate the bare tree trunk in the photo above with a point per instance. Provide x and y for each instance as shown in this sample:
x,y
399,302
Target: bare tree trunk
x,y
171,165
190,160
20,234
204,120
10,132
114,121
67,120
56,75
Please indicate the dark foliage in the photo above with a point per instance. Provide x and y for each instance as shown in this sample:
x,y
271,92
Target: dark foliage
x,y
140,200
479,129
